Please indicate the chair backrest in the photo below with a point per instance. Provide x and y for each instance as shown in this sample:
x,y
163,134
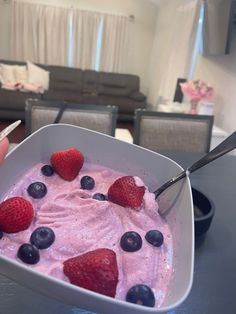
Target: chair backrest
x,y
178,132
100,118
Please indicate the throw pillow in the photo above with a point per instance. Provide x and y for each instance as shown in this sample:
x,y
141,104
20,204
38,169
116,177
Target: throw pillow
x,y
21,74
7,77
7,73
37,76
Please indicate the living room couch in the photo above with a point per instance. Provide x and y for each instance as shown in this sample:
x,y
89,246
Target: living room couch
x,y
78,86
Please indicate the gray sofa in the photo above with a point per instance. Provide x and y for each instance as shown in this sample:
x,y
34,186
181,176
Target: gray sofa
x,y
79,86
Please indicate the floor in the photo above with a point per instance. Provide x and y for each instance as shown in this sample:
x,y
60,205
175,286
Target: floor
x,y
19,133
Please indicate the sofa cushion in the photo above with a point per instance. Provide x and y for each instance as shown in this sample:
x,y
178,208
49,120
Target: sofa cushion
x,y
125,104
64,78
117,84
90,80
62,95
89,99
138,96
15,100
113,91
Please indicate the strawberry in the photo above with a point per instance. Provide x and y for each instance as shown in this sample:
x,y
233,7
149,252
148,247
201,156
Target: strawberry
x,y
95,270
16,214
126,193
67,163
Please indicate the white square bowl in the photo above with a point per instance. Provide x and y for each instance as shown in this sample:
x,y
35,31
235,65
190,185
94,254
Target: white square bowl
x,y
153,168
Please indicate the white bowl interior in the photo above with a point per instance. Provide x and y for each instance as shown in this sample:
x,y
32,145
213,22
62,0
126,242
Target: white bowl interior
x,y
153,168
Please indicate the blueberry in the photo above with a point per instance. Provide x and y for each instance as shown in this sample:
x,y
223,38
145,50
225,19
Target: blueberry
x,y
1,234
142,295
42,237
99,196
154,237
47,170
87,183
131,241
28,253
37,189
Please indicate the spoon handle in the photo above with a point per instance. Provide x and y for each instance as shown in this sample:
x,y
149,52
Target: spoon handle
x,y
169,183
224,147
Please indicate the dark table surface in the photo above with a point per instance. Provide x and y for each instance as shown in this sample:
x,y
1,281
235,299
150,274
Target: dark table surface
x,y
214,284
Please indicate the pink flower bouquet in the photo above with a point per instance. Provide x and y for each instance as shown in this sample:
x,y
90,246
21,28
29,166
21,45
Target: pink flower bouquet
x,y
197,90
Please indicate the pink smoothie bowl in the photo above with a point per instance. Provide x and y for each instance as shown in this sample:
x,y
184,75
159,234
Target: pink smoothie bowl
x,y
153,168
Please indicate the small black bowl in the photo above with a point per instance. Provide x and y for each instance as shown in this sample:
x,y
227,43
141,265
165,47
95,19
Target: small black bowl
x,y
204,210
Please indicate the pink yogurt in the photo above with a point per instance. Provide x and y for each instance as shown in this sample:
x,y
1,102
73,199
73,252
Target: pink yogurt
x,y
82,224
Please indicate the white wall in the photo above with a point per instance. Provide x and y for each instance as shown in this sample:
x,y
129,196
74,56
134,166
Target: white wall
x,y
162,44
141,30
220,72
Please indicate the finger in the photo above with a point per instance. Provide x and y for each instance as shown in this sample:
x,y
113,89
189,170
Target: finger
x,y
4,146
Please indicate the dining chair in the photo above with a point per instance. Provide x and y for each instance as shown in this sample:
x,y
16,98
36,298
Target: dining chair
x,y
100,118
177,132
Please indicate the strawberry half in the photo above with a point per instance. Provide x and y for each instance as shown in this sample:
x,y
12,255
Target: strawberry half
x,y
67,163
16,214
126,193
95,270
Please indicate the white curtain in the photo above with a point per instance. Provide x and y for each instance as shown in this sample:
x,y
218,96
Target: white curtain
x,y
40,33
85,35
176,29
24,28
53,35
113,55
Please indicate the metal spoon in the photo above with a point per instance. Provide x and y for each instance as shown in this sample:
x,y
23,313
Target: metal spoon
x,y
166,202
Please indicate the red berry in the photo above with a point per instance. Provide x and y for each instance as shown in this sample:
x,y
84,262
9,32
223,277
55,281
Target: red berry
x,y
95,270
126,193
67,163
16,214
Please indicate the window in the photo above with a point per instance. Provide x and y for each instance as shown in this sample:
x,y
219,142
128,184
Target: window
x,y
198,43
99,44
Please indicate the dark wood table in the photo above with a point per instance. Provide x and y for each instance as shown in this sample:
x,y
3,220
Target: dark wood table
x,y
214,285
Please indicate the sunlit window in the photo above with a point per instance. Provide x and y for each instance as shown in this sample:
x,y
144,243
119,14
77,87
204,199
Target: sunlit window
x,y
71,44
198,43
99,44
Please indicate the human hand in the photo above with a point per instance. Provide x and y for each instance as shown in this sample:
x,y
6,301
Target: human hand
x,y
4,146
4,143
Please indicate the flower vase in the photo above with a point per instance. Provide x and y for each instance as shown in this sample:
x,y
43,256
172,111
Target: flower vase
x,y
194,105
